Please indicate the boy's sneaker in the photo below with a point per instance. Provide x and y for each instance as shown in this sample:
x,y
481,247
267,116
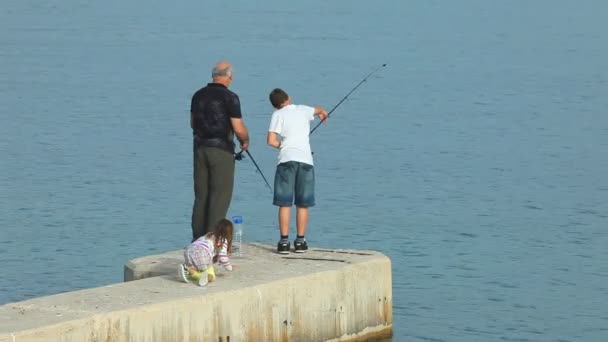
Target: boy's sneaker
x,y
300,246
182,273
283,247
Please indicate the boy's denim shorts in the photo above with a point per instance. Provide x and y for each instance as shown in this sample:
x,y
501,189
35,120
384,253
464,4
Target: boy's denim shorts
x,y
297,179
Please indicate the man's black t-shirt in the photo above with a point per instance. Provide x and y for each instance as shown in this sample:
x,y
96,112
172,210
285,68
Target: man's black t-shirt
x,y
212,107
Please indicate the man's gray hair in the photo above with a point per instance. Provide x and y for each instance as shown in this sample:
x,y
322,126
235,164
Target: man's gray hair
x,y
221,72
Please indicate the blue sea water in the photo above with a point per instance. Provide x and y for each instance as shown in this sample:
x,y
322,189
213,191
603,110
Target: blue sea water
x,y
476,160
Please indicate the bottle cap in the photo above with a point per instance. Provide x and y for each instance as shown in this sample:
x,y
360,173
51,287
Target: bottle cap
x,y
237,219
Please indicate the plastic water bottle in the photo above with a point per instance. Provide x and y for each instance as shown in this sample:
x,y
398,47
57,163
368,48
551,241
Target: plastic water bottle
x,y
237,240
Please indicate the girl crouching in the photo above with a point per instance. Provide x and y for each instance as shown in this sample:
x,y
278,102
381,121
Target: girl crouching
x,y
201,254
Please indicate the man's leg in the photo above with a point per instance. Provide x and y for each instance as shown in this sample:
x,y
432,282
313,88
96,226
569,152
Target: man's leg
x,y
221,184
199,209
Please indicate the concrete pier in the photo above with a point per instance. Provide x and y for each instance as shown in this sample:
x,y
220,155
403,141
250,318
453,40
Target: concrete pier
x,y
321,295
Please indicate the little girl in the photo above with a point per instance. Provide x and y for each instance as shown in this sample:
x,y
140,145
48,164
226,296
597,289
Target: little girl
x,y
202,253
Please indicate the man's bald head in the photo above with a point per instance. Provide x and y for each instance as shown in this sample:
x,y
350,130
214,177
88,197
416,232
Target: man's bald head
x,y
222,71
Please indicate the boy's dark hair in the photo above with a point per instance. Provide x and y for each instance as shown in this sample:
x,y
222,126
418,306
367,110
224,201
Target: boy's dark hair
x,y
223,231
278,97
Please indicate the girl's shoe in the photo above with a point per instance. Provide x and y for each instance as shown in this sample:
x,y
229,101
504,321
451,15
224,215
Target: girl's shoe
x,y
203,280
182,273
211,273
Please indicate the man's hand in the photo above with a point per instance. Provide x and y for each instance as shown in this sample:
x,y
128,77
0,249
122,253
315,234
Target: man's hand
x,y
244,145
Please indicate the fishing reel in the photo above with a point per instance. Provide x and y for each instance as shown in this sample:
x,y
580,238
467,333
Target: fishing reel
x,y
239,156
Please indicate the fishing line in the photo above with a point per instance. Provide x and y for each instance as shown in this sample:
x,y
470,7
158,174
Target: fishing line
x,y
239,156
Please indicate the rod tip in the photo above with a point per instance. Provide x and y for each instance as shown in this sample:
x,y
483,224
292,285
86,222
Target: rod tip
x,y
384,64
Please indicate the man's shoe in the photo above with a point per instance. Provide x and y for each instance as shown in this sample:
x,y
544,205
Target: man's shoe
x,y
283,247
300,246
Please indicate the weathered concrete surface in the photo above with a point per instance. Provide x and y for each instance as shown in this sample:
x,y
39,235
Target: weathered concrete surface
x,y
322,295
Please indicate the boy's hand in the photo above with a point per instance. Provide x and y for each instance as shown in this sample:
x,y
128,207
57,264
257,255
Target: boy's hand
x,y
323,115
320,111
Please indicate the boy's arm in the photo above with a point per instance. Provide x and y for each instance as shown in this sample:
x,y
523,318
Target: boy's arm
x,y
321,113
273,140
275,128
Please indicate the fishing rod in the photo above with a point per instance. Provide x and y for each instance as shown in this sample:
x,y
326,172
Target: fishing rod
x,y
239,156
344,98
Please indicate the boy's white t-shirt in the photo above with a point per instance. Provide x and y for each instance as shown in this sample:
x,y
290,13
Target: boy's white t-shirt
x,y
292,123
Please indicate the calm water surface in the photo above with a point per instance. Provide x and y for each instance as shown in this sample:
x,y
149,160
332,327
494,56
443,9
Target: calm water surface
x,y
476,160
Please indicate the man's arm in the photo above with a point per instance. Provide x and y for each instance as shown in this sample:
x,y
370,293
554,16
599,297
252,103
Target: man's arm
x,y
241,132
273,140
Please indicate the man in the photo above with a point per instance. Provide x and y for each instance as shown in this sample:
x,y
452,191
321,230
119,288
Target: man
x,y
295,175
215,118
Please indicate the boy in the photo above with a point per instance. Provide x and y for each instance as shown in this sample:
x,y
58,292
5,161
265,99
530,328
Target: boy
x,y
294,175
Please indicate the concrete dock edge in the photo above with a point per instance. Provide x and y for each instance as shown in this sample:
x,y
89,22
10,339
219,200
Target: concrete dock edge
x,y
323,295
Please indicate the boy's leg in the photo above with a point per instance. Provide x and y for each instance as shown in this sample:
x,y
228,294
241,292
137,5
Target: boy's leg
x,y
283,246
300,245
284,180
304,198
301,220
284,217
305,186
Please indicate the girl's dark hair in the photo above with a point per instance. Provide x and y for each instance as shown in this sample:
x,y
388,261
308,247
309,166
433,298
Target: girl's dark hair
x,y
222,232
